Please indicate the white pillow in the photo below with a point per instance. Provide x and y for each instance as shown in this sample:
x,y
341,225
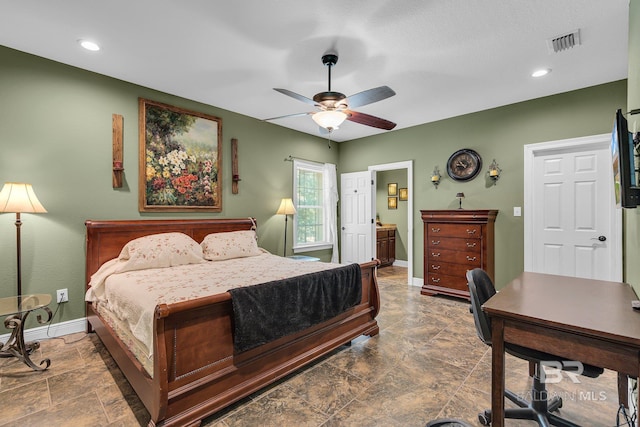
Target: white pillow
x,y
160,250
233,244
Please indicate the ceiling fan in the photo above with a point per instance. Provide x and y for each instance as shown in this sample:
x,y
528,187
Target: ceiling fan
x,y
335,107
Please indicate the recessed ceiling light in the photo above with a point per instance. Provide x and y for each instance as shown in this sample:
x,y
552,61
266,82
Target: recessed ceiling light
x,y
540,73
89,45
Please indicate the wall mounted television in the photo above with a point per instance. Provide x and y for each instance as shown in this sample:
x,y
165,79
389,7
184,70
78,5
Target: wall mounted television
x,y
625,175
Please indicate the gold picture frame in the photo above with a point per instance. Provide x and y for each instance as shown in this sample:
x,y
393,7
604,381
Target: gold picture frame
x,y
403,194
180,159
392,203
392,189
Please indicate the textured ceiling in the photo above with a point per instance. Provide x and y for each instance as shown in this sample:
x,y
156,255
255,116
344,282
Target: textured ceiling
x,y
442,58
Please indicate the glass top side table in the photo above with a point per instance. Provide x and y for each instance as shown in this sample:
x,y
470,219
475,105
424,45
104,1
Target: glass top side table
x,y
17,309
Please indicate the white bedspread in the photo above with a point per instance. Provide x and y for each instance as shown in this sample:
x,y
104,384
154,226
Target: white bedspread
x,y
133,295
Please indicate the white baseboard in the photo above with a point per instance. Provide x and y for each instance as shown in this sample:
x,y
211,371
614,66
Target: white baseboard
x,y
55,330
417,281
400,263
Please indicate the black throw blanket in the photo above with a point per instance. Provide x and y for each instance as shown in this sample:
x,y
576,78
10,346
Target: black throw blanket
x,y
265,312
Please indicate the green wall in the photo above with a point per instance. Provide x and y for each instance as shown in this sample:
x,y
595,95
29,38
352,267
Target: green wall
x,y
498,133
393,216
632,216
55,133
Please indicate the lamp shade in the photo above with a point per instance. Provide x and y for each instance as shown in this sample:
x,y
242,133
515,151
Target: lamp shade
x,y
286,207
329,119
19,197
460,195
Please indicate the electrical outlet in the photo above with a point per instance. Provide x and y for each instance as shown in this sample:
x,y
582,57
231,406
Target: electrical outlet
x,y
62,295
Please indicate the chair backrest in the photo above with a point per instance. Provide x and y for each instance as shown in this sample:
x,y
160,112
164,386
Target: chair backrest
x,y
480,290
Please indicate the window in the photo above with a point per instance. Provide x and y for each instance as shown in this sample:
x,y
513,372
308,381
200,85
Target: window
x,y
311,225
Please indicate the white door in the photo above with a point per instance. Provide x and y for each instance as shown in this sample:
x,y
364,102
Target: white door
x,y
572,212
356,216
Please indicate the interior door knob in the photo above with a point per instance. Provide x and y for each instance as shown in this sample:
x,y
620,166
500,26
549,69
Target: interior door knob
x,y
600,238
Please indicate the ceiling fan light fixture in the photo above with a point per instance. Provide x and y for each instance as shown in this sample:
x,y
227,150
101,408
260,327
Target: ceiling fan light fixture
x,y
330,119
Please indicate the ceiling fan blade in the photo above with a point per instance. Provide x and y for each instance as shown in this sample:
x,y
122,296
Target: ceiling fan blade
x,y
287,116
296,96
369,120
369,96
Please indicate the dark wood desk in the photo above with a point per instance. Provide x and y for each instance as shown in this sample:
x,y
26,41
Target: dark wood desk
x,y
581,319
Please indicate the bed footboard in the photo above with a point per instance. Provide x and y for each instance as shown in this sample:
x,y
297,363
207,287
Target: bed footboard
x,y
203,375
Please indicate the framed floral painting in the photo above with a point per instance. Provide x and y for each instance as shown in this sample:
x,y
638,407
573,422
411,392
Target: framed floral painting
x,y
180,159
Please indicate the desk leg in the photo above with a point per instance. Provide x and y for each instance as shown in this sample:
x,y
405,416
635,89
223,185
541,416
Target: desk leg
x,y
623,390
497,372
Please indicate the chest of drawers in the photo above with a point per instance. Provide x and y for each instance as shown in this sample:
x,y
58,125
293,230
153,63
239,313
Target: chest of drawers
x,y
456,241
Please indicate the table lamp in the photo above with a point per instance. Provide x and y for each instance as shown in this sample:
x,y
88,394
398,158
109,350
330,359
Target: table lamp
x,y
286,208
460,196
19,198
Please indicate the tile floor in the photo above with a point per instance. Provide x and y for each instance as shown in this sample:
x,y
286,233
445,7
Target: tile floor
x,y
426,363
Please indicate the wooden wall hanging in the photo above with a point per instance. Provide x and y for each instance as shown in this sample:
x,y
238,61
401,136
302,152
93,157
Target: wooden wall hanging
x,y
235,178
118,168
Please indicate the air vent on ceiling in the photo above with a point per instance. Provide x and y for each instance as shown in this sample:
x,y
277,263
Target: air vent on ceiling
x,y
564,42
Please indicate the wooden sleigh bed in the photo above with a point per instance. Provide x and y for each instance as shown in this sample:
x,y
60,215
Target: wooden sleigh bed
x,y
196,371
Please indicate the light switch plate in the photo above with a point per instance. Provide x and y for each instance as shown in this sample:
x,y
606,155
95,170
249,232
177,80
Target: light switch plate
x,y
517,211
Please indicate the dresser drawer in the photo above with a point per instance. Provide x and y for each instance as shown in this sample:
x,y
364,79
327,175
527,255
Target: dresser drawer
x,y
447,281
467,258
435,230
448,268
385,233
456,244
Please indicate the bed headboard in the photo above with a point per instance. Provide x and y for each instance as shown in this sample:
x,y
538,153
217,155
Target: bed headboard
x,y
105,239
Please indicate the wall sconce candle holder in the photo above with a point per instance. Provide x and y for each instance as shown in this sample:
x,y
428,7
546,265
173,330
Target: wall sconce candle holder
x,y
435,177
494,171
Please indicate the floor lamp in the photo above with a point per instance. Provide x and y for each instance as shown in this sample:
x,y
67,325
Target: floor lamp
x,y
17,198
286,208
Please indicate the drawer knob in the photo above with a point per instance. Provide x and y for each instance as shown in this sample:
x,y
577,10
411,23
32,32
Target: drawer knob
x,y
435,230
471,231
435,267
434,280
471,258
435,242
435,254
471,245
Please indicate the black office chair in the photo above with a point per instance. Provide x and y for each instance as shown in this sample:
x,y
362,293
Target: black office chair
x,y
539,409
